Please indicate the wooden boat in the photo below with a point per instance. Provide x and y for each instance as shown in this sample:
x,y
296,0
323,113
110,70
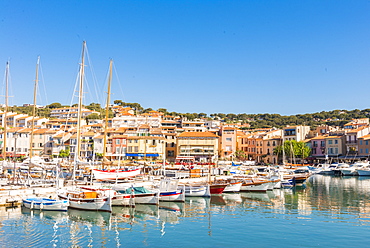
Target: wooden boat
x,y
87,200
217,189
169,191
197,190
117,199
108,175
142,195
45,204
254,185
232,185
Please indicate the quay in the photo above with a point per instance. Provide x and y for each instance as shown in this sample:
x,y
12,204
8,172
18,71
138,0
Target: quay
x,y
13,195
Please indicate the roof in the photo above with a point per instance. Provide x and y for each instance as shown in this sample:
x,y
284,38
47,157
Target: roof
x,y
44,131
320,137
145,137
92,134
198,134
365,137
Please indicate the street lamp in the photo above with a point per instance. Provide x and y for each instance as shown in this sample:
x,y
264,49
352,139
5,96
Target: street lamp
x,y
15,136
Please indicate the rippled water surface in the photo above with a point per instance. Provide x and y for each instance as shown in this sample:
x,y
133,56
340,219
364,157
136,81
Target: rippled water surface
x,y
329,211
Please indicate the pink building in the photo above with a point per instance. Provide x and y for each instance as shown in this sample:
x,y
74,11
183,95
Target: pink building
x,y
227,141
318,146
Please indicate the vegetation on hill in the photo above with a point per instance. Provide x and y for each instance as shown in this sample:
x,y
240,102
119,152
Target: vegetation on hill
x,y
331,118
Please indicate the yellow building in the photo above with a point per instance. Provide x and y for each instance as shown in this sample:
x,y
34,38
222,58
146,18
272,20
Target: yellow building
x,y
145,147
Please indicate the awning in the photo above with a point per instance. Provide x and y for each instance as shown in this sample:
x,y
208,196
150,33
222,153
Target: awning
x,y
142,155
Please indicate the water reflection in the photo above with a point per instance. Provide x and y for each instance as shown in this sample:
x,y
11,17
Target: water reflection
x,y
327,198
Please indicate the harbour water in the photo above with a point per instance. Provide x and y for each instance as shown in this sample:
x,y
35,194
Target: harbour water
x,y
327,212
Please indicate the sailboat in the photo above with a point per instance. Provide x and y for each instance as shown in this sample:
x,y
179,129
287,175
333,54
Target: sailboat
x,y
83,198
114,174
4,163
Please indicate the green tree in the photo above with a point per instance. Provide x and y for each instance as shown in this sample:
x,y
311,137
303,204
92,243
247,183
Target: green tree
x,y
64,153
119,102
239,154
54,105
93,116
293,149
94,106
163,110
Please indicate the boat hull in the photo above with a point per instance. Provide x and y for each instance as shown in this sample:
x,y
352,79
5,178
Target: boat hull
x,y
217,189
114,174
197,191
363,172
176,196
254,187
147,198
45,204
123,200
97,204
233,187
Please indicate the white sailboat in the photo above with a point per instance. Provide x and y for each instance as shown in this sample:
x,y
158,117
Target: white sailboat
x,y
115,174
82,198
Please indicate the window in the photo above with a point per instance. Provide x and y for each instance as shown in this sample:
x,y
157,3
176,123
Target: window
x,y
335,141
330,142
229,139
361,151
130,149
361,143
336,150
367,151
366,142
117,141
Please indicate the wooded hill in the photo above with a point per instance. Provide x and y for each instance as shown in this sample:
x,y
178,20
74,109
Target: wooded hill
x,y
331,118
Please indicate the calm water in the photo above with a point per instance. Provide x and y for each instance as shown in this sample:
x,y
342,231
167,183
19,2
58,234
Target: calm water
x,y
328,212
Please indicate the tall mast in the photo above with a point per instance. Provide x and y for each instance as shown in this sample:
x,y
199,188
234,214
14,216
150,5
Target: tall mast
x,y
34,106
283,148
107,109
6,108
80,96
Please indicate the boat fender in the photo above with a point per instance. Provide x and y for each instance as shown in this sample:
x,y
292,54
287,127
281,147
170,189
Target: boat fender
x,y
41,205
31,205
79,202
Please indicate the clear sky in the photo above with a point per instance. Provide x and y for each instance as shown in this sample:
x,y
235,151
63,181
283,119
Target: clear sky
x,y
254,56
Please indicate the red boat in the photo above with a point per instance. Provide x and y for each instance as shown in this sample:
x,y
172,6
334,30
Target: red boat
x,y
217,188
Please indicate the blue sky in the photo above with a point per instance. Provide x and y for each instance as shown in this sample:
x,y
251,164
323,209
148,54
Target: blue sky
x,y
284,57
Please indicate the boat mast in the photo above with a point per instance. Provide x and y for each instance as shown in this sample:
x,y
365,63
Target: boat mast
x,y
6,109
34,107
282,145
107,110
80,96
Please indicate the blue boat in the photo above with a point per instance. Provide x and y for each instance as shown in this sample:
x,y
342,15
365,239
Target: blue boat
x,y
40,203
